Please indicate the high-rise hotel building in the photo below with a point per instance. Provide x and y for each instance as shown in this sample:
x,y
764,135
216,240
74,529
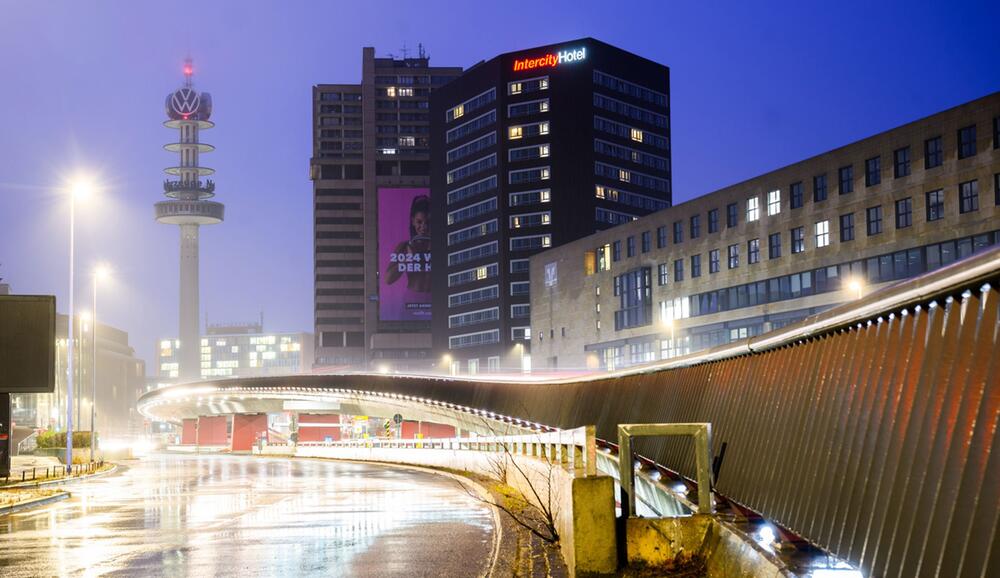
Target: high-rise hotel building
x,y
370,173
530,150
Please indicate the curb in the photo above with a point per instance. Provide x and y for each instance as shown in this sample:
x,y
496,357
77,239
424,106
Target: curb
x,y
58,481
33,503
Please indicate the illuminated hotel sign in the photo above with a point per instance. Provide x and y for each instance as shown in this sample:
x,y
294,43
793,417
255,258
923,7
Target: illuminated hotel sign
x,y
551,60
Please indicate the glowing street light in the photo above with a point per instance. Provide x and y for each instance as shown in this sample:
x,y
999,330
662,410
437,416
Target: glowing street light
x,y
79,190
856,286
446,361
669,323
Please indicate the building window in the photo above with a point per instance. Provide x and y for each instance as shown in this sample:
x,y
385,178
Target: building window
x,y
678,270
662,274
713,261
822,232
636,305
753,209
630,246
713,221
774,202
798,240
873,171
774,246
678,232
616,251
904,213
901,162
661,236
847,227
967,142
753,251
695,266
968,197
933,153
846,179
874,218
795,194
732,218
647,241
695,226
819,188
935,205
734,256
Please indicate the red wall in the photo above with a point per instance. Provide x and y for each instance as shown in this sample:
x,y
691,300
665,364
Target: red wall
x,y
247,429
430,430
212,430
189,432
309,433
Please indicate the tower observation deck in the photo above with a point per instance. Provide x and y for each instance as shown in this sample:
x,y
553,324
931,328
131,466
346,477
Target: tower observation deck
x,y
188,206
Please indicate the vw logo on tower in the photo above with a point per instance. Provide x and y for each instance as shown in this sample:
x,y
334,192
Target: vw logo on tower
x,y
185,102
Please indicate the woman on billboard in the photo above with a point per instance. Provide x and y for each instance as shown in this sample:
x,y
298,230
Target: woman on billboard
x,y
412,256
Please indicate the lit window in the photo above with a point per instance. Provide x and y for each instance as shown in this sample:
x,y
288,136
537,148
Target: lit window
x,y
822,233
636,135
543,128
753,209
405,92
774,202
390,91
458,111
516,132
515,88
624,176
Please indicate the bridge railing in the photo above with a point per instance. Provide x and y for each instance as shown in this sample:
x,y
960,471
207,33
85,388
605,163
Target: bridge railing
x,y
575,450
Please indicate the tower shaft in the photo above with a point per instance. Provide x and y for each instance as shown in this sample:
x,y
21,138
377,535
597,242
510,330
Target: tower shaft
x,y
190,338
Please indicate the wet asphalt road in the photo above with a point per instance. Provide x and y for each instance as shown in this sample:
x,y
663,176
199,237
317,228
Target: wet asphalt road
x,y
232,515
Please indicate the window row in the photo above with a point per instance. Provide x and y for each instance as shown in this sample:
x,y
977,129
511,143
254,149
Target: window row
x,y
631,199
472,211
627,110
472,189
472,275
630,88
472,126
630,176
629,132
469,106
480,144
467,170
628,154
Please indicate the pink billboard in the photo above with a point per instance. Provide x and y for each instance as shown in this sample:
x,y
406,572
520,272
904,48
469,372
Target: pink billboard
x,y
404,254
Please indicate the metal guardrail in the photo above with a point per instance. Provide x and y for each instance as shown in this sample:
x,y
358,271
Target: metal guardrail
x,y
575,449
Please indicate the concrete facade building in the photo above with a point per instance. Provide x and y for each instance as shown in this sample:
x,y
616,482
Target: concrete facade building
x,y
532,150
242,350
120,381
774,249
370,158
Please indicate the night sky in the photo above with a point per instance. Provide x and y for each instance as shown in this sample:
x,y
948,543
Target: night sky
x,y
82,86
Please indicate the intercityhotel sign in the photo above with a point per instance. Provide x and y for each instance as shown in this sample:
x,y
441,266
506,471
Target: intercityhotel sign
x,y
552,59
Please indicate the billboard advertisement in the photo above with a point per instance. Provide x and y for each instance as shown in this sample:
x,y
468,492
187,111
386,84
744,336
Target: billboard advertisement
x,y
404,251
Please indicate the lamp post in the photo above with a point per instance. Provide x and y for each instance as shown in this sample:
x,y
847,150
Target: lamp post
x,y
100,272
79,190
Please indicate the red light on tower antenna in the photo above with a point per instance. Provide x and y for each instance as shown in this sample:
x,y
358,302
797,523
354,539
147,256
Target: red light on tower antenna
x,y
188,71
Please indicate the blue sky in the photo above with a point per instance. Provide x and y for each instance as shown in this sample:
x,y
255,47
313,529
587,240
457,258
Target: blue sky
x,y
755,86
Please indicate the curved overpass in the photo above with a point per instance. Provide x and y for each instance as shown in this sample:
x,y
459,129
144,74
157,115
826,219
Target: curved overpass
x,y
869,429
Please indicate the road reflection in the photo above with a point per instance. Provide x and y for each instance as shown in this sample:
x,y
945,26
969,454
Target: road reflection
x,y
231,515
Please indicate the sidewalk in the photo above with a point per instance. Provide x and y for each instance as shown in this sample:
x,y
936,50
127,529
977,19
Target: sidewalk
x,y
40,464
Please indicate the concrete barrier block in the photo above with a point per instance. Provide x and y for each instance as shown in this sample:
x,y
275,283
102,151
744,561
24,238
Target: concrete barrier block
x,y
594,544
666,542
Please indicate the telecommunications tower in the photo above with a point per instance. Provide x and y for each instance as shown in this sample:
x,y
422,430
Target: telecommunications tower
x,y
188,111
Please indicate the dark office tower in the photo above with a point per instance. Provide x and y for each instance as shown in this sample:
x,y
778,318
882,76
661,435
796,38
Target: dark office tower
x,y
531,150
370,172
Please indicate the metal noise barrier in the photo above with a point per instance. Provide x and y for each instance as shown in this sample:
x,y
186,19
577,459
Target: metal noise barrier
x,y
875,442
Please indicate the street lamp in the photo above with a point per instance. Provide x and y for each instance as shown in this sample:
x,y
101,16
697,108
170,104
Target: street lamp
x,y
101,272
446,360
856,286
79,191
669,322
